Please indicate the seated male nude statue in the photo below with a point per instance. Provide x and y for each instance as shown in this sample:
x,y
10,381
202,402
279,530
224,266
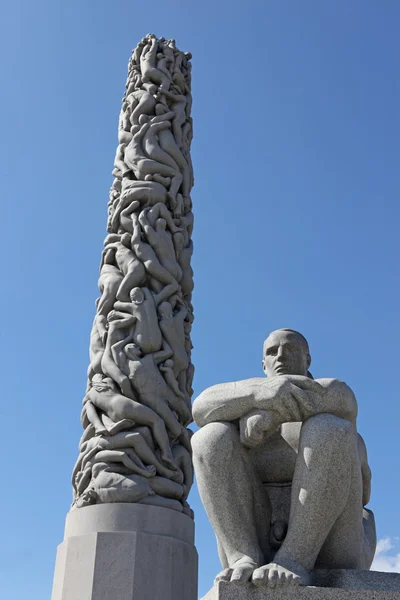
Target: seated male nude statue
x,y
284,429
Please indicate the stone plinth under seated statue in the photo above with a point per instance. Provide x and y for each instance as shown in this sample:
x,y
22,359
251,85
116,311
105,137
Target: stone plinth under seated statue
x,y
284,477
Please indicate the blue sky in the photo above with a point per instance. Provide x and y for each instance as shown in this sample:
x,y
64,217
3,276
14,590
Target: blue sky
x,y
296,199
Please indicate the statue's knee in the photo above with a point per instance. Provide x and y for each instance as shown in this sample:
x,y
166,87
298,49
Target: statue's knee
x,y
213,440
327,428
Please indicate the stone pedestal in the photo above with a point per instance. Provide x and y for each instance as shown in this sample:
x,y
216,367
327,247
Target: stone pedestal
x,y
126,552
340,584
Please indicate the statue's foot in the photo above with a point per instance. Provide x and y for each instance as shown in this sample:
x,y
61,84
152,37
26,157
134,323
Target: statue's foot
x,y
101,431
177,476
184,439
168,460
240,572
151,471
275,575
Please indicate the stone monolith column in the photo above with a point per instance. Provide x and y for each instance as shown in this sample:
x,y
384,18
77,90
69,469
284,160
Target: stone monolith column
x,y
129,533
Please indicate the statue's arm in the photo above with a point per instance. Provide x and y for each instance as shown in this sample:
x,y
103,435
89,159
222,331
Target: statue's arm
x,y
365,470
290,398
147,228
123,306
225,402
338,400
163,354
108,255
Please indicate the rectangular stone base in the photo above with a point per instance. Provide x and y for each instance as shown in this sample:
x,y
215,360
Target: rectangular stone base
x,y
126,552
360,585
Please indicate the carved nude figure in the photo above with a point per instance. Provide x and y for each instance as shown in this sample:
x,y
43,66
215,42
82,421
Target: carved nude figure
x,y
135,59
150,385
173,330
110,485
153,136
118,249
158,211
161,241
96,351
182,458
182,409
162,65
167,368
143,165
159,275
119,329
291,430
124,126
178,106
93,451
109,283
189,379
140,102
146,333
148,65
104,395
82,473
133,195
184,258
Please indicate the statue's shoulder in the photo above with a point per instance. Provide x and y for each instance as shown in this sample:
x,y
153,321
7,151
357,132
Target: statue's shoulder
x,y
338,390
331,383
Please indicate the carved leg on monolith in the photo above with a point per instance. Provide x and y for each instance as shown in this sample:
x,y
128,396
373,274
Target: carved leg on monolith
x,y
326,505
236,503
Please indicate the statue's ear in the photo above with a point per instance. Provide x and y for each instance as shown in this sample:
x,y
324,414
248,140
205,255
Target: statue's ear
x,y
308,361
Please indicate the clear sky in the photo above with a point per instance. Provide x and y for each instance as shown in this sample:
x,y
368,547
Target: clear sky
x,y
296,156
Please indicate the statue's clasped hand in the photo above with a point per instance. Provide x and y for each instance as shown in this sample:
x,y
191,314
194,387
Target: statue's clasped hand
x,y
257,426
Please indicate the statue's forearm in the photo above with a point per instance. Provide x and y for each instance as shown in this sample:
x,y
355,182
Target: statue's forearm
x,y
224,402
292,398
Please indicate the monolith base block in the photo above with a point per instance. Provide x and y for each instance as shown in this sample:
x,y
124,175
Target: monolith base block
x,y
126,552
359,585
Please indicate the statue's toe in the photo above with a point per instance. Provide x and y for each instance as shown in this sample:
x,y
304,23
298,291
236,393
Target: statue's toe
x,y
242,574
224,575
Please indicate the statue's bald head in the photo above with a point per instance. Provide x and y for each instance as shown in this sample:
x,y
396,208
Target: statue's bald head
x,y
286,352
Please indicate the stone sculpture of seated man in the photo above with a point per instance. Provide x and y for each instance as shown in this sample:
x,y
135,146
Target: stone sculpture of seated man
x,y
286,431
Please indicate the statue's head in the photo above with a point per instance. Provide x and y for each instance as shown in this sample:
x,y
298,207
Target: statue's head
x,y
161,225
132,351
165,310
137,295
126,240
152,89
88,498
160,109
286,352
143,119
101,383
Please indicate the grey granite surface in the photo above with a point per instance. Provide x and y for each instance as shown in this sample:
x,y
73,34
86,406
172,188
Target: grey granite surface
x,y
136,445
282,471
110,551
388,588
130,534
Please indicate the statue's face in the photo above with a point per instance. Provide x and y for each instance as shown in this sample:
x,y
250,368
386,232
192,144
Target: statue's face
x,y
285,353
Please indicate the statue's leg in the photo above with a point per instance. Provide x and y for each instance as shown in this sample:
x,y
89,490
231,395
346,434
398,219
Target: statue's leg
x,y
136,276
236,502
326,505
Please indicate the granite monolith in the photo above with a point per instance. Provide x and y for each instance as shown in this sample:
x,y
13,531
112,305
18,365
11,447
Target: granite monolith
x,y
129,533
